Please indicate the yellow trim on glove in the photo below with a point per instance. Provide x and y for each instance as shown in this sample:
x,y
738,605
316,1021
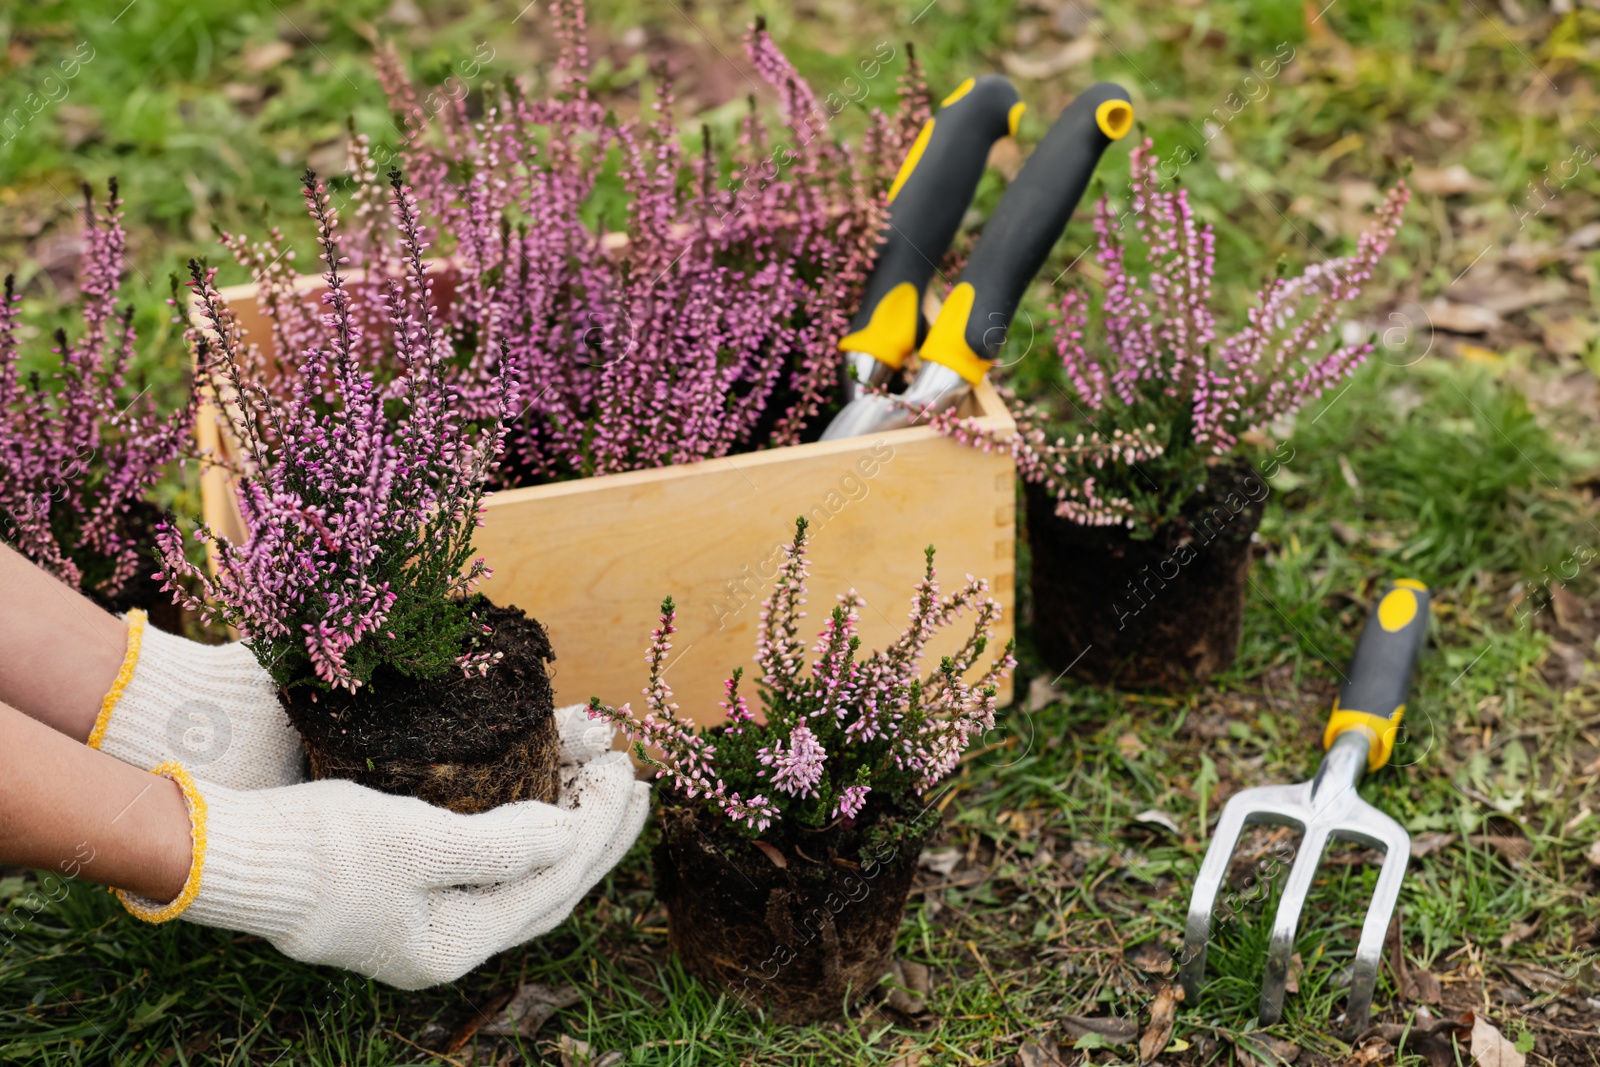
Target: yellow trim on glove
x,y
130,659
1381,732
160,913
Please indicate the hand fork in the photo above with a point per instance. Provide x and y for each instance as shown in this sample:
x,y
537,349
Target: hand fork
x,y
1360,737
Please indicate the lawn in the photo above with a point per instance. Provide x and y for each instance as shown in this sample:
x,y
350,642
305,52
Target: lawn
x,y
1047,912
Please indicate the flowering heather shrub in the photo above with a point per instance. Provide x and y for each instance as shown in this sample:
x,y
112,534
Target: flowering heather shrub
x,y
708,324
852,731
360,497
1146,378
79,455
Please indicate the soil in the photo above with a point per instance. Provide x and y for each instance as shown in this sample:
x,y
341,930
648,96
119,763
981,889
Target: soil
x,y
801,941
1163,613
464,743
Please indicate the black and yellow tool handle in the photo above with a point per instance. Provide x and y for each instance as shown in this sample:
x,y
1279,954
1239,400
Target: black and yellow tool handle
x,y
1030,218
1373,698
930,194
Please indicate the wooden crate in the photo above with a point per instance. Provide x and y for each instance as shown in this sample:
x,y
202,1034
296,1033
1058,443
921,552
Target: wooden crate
x,y
592,559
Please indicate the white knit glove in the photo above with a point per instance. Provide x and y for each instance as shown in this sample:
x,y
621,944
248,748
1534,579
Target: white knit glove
x,y
392,887
212,708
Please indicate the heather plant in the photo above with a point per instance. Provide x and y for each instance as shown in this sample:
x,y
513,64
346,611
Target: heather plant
x,y
841,733
642,302
81,451
1148,392
360,495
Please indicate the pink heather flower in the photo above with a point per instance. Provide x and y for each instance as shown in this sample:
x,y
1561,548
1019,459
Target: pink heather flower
x,y
848,727
1150,343
359,495
81,450
796,770
851,800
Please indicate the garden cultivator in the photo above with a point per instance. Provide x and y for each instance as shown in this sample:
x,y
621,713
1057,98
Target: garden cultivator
x,y
1360,737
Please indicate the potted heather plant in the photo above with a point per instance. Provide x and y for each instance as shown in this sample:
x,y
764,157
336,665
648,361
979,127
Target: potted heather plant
x,y
80,453
1142,498
355,585
788,840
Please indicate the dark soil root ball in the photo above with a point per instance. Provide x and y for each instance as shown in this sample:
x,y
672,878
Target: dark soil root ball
x,y
464,743
801,942
1163,613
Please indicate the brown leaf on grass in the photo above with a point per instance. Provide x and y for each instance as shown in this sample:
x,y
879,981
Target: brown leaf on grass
x,y
1490,1047
528,1009
1115,1029
467,1030
1422,986
1519,932
1151,958
1424,845
1264,1050
1447,181
1593,855
1514,850
909,992
1297,967
1041,694
574,1053
1159,818
1568,337
940,861
1585,236
1163,1016
1452,317
258,59
772,854
1043,68
1505,292
1130,746
1039,1052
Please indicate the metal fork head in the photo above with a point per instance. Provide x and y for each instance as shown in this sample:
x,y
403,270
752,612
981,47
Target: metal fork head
x,y
1324,808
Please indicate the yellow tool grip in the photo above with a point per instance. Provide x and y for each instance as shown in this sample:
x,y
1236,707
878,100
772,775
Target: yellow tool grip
x,y
1373,698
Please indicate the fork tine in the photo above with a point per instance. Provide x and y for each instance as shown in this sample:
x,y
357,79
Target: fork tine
x,y
1213,870
1369,950
1284,924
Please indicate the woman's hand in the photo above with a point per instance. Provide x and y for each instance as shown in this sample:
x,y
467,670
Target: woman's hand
x,y
391,887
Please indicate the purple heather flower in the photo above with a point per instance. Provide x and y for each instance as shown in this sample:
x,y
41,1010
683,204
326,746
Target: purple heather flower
x,y
1151,340
851,800
796,770
79,456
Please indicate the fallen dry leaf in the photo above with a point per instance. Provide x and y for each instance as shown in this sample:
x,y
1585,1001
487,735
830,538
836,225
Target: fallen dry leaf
x,y
1159,818
1115,1029
1585,236
1041,1052
1514,850
1265,1050
1568,337
1460,318
1297,967
1043,68
940,861
1041,694
1490,1047
530,1008
909,993
1593,855
1422,986
772,853
1163,1015
1448,181
263,57
1519,932
574,1053
1427,844
1130,746
1151,958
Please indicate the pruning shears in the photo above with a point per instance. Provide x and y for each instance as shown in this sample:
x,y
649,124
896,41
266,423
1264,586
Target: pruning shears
x,y
929,195
971,327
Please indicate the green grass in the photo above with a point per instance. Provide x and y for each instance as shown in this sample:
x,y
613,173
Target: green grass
x,y
1443,469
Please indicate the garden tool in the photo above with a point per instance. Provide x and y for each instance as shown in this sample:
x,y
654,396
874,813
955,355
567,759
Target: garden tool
x,y
929,195
1360,736
972,324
